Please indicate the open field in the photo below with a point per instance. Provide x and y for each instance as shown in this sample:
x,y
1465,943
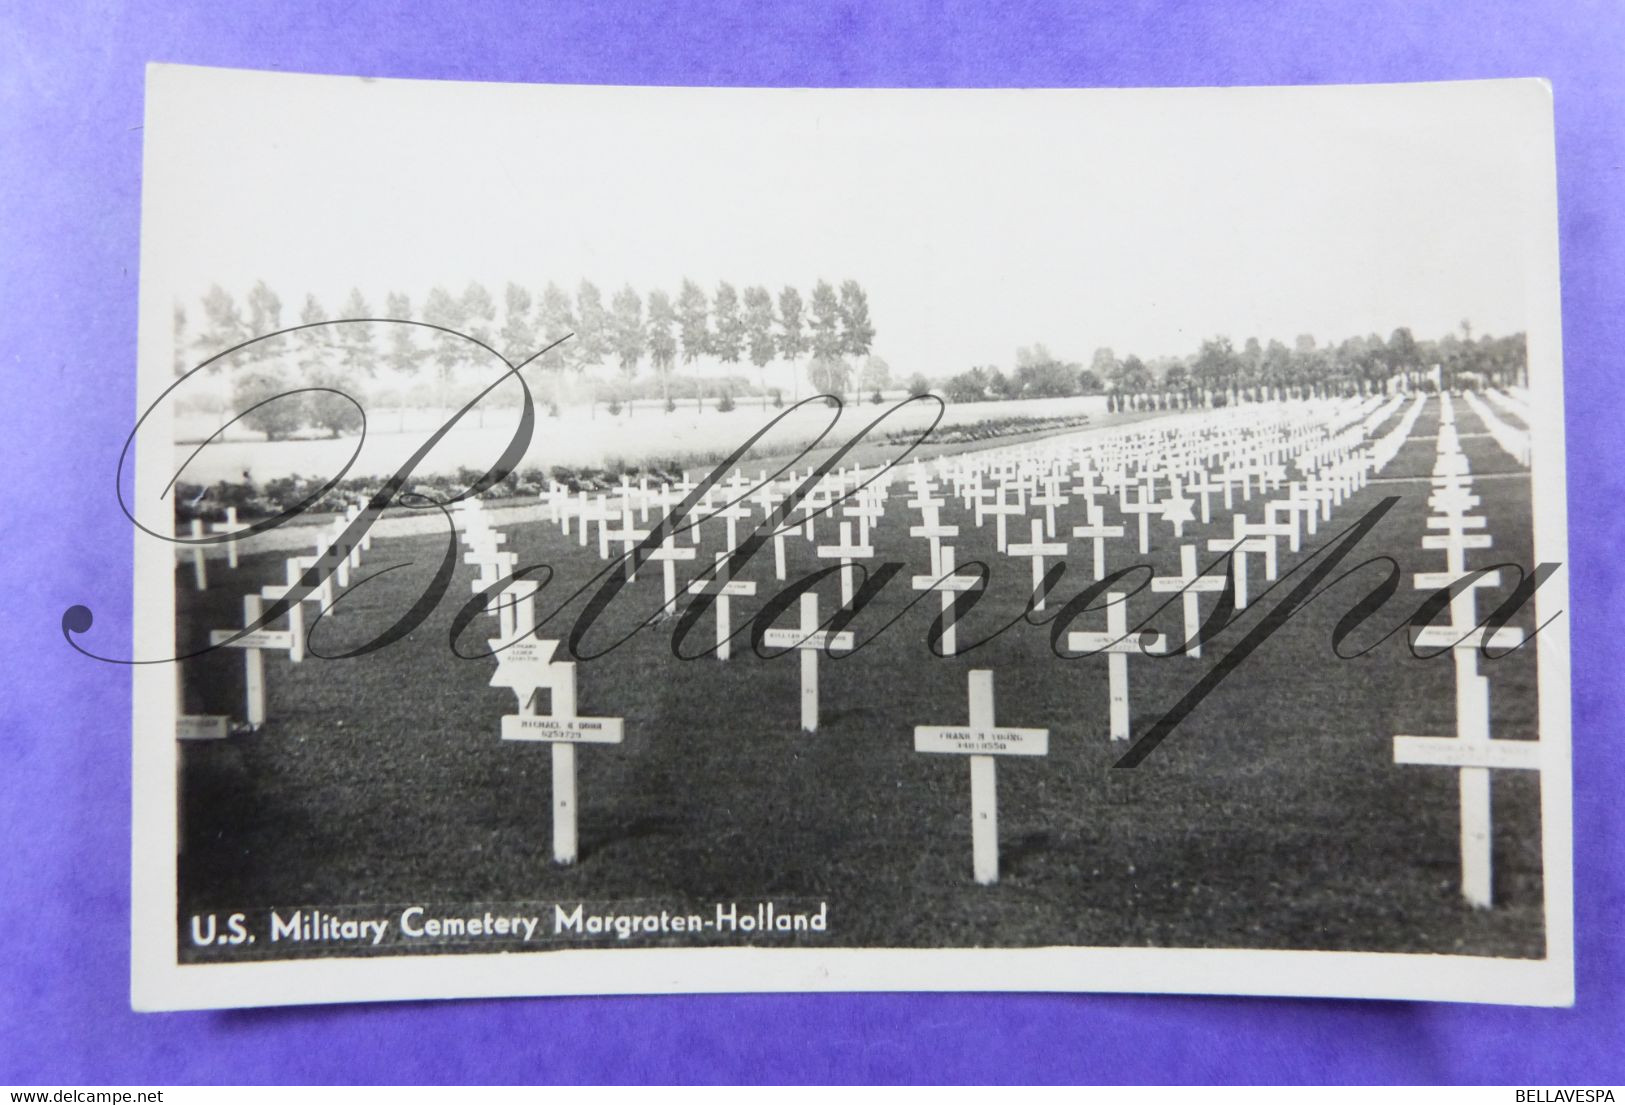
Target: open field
x,y
1272,817
577,439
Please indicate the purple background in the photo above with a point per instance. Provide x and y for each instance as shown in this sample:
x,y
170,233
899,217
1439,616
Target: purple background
x,y
70,153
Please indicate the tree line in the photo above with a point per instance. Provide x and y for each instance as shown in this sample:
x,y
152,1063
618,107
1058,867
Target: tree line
x,y
1218,373
830,328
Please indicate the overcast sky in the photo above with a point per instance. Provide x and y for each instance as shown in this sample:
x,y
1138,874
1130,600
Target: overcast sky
x,y
977,221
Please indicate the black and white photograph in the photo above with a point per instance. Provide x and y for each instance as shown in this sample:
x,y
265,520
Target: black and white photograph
x,y
630,540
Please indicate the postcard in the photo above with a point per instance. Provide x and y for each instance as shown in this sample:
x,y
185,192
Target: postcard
x,y
599,540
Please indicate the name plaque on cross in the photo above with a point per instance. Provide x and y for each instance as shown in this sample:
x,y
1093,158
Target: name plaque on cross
x,y
202,727
252,644
575,730
1474,754
562,730
810,641
259,638
982,740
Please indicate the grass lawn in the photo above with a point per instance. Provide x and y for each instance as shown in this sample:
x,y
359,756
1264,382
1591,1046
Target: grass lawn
x,y
1272,817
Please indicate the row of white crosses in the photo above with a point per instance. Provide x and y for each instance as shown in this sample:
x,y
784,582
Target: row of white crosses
x,y
1512,440
255,643
335,558
855,505
1334,466
1336,469
1471,750
196,548
733,503
525,665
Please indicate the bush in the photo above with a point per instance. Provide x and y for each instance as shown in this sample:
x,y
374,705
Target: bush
x,y
671,405
778,397
338,410
279,417
918,385
967,387
726,403
613,407
875,398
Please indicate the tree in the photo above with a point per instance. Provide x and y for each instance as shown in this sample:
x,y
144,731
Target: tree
x,y
1276,368
182,362
336,413
1000,386
222,324
1089,383
626,330
967,387
1104,365
479,314
1401,353
403,353
258,384
518,338
315,343
792,337
759,332
592,327
264,317
875,375
662,341
1134,376
691,324
727,326
442,309
1215,365
1249,366
557,321
334,408
918,385
830,375
354,339
857,332
1038,353
824,324
1046,379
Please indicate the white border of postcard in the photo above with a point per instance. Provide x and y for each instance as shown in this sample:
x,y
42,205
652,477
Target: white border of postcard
x,y
160,982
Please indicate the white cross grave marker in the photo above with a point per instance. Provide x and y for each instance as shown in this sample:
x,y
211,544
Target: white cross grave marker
x,y
229,526
722,588
668,554
200,571
847,551
561,728
1474,754
945,581
1118,647
253,660
1189,583
981,740
1038,549
810,641
1145,505
1243,544
1099,531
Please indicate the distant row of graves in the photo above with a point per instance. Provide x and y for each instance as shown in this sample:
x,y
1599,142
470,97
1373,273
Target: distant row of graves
x,y
1274,474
